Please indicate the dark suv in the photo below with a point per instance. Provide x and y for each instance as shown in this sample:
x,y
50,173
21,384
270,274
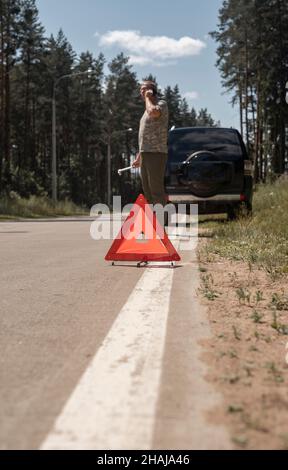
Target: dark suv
x,y
209,167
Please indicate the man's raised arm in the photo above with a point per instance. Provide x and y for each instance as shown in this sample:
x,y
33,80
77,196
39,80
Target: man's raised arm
x,y
152,109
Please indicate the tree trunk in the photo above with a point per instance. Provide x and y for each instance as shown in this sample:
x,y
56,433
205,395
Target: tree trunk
x,y
246,92
257,138
27,118
281,128
261,173
1,92
241,104
7,97
7,153
253,112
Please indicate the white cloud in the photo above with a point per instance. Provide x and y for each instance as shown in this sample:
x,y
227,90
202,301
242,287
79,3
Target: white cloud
x,y
140,60
191,95
156,50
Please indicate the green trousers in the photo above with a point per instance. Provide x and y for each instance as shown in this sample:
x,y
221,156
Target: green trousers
x,y
153,166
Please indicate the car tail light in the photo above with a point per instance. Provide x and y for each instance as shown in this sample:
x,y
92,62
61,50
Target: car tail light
x,y
242,197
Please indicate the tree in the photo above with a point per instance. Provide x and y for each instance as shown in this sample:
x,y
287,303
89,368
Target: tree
x,y
193,117
124,108
82,167
252,39
25,95
173,99
9,27
204,119
94,112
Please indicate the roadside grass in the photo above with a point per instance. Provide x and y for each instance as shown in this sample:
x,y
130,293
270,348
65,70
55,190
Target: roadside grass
x,y
246,353
36,207
260,240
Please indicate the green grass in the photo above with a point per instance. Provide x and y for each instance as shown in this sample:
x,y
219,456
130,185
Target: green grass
x,y
36,207
261,240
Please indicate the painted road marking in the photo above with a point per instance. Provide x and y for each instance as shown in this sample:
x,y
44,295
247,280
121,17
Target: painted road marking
x,y
114,404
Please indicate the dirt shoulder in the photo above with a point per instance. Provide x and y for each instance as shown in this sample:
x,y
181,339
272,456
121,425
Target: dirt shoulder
x,y
246,356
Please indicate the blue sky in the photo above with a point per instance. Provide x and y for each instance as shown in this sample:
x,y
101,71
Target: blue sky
x,y
164,37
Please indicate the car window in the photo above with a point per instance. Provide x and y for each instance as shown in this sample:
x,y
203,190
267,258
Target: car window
x,y
223,143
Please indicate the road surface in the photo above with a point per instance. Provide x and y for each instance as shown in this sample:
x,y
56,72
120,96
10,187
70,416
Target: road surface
x,y
99,357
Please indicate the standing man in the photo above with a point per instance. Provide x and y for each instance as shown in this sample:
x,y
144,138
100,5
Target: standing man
x,y
153,144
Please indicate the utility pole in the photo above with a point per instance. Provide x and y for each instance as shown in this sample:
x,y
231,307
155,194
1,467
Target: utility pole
x,y
109,171
54,148
109,141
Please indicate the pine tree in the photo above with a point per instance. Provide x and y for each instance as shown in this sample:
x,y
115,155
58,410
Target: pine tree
x,y
60,63
185,113
193,117
9,26
25,94
124,108
252,53
173,99
84,147
204,119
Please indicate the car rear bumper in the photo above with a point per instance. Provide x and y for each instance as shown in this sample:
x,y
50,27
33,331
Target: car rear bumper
x,y
219,204
190,199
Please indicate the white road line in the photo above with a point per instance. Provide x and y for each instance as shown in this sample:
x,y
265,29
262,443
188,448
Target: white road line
x,y
114,404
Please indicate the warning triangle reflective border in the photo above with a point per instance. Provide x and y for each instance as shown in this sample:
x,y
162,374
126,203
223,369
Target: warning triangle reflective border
x,y
142,238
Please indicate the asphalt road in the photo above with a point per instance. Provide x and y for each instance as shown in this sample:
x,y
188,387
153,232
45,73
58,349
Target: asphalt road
x,y
95,356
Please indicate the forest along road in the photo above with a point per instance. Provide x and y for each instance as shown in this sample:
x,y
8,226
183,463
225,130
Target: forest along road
x,y
95,356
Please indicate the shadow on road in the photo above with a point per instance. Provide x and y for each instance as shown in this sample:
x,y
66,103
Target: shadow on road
x,y
77,219
158,266
4,233
206,221
206,235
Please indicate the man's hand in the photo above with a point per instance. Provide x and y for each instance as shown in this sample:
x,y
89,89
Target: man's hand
x,y
146,93
137,162
149,93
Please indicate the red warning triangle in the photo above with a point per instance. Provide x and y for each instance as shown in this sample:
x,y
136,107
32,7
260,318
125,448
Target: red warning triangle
x,y
142,238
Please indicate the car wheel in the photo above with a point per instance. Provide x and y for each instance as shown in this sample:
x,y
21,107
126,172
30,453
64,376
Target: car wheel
x,y
244,210
248,211
233,213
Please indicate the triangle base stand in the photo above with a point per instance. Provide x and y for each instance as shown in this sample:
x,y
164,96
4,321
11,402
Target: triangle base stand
x,y
145,264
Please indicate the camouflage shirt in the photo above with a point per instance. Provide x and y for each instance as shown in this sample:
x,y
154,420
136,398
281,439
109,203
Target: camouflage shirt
x,y
153,132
